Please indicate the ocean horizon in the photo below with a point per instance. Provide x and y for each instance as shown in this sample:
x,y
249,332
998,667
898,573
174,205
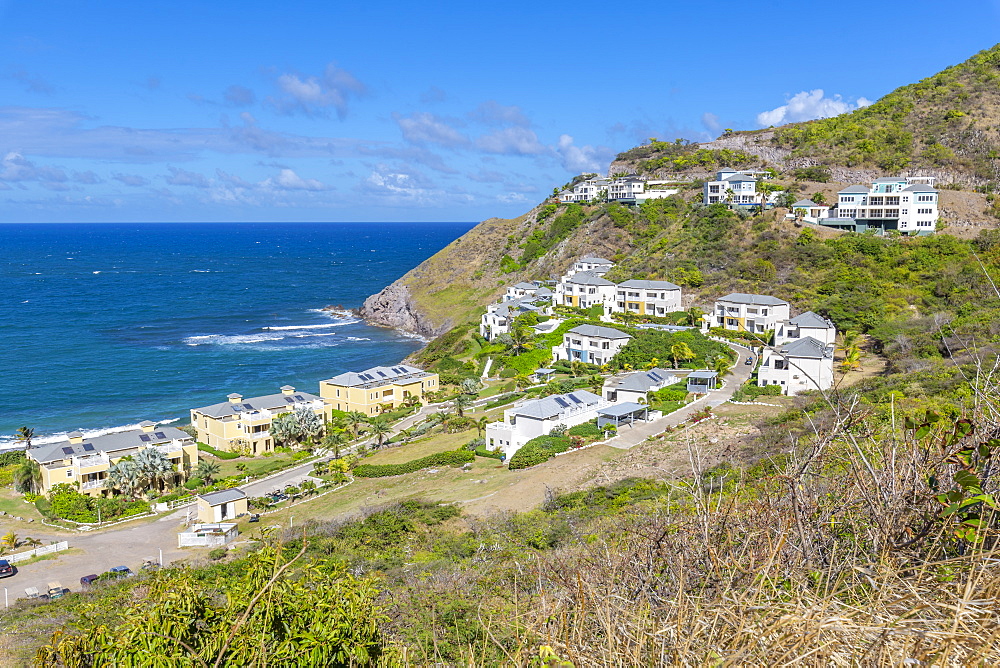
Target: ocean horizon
x,y
109,324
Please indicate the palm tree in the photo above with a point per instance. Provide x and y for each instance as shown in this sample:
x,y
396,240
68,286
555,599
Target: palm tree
x,y
155,468
405,435
310,425
333,440
207,470
596,383
681,351
694,316
653,363
284,428
380,429
24,435
720,364
125,476
462,402
519,340
10,539
31,542
355,419
481,425
28,477
576,367
521,381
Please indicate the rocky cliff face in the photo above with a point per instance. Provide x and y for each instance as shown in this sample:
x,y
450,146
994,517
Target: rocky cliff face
x,y
393,307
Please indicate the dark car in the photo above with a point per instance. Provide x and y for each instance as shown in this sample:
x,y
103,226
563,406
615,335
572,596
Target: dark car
x,y
6,570
88,580
254,518
749,361
121,571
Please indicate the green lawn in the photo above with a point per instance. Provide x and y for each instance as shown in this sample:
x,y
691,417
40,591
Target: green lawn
x,y
421,447
255,466
12,503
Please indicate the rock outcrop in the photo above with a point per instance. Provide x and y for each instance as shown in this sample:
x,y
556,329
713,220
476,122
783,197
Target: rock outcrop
x,y
394,307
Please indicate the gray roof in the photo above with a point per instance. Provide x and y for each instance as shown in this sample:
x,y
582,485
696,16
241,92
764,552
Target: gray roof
x,y
649,285
890,179
739,178
543,292
377,375
644,381
588,278
107,443
622,409
524,286
266,402
595,330
854,189
223,496
754,300
554,405
920,188
704,373
806,347
595,260
810,319
806,203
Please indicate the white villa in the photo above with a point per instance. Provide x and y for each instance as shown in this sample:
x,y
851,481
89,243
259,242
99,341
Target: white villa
x,y
750,313
803,364
806,324
583,289
635,386
499,317
625,189
526,289
538,417
595,265
811,211
736,188
591,344
656,298
904,203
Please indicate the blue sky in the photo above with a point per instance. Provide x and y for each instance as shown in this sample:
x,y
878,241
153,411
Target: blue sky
x,y
333,111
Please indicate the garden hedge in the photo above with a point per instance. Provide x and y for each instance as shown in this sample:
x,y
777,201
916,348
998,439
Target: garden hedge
x,y
448,458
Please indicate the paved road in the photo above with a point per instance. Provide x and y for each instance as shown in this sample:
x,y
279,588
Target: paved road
x,y
629,436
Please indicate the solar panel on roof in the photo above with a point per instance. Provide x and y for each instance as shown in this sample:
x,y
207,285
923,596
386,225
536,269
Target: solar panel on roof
x,y
574,398
381,373
562,402
160,434
300,397
249,407
67,451
144,438
88,447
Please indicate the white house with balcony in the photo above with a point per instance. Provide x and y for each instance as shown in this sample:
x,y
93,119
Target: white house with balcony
x,y
83,461
637,385
595,265
736,188
538,417
904,203
536,289
810,211
586,190
584,289
591,344
798,366
803,325
499,318
743,312
656,298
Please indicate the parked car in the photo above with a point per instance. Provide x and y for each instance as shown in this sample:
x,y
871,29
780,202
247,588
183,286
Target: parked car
x,y
56,590
88,580
254,518
121,571
749,361
6,569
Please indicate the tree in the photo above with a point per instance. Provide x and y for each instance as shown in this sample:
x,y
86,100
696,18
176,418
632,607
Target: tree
x,y
309,424
24,435
380,428
10,539
518,340
694,316
154,467
207,470
355,419
284,428
481,425
721,364
125,476
333,440
576,367
652,364
681,351
28,477
471,386
462,402
263,613
522,381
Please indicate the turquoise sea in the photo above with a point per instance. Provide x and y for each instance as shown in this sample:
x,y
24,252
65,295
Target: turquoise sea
x,y
106,325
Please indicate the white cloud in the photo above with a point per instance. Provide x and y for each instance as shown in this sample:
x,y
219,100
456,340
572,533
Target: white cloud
x,y
425,128
512,141
492,112
182,177
809,105
239,96
711,122
579,159
133,180
287,179
312,95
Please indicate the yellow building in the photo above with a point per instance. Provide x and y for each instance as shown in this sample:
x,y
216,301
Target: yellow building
x,y
246,423
221,506
365,391
84,461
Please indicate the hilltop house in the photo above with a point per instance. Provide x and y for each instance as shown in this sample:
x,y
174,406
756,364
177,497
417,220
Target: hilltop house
x,y
810,210
591,343
585,191
635,386
806,324
656,298
535,289
748,313
736,188
904,203
365,391
797,366
498,317
538,417
84,461
246,423
584,289
595,265
624,189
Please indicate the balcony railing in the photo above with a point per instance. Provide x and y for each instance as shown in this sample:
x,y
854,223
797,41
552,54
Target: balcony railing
x,y
94,484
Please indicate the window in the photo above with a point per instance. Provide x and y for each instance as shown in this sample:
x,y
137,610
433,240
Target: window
x,y
69,473
925,198
606,345
919,211
713,189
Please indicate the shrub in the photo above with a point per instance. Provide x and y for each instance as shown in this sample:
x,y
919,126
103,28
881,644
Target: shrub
x,y
538,450
12,458
221,454
587,430
218,553
194,483
483,452
449,458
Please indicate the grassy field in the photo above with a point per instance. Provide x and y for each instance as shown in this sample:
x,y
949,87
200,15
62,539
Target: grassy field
x,y
254,465
421,447
12,504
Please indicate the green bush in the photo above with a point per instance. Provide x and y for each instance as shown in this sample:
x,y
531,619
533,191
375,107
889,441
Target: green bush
x,y
449,458
587,430
194,483
538,450
221,454
218,553
12,458
483,452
